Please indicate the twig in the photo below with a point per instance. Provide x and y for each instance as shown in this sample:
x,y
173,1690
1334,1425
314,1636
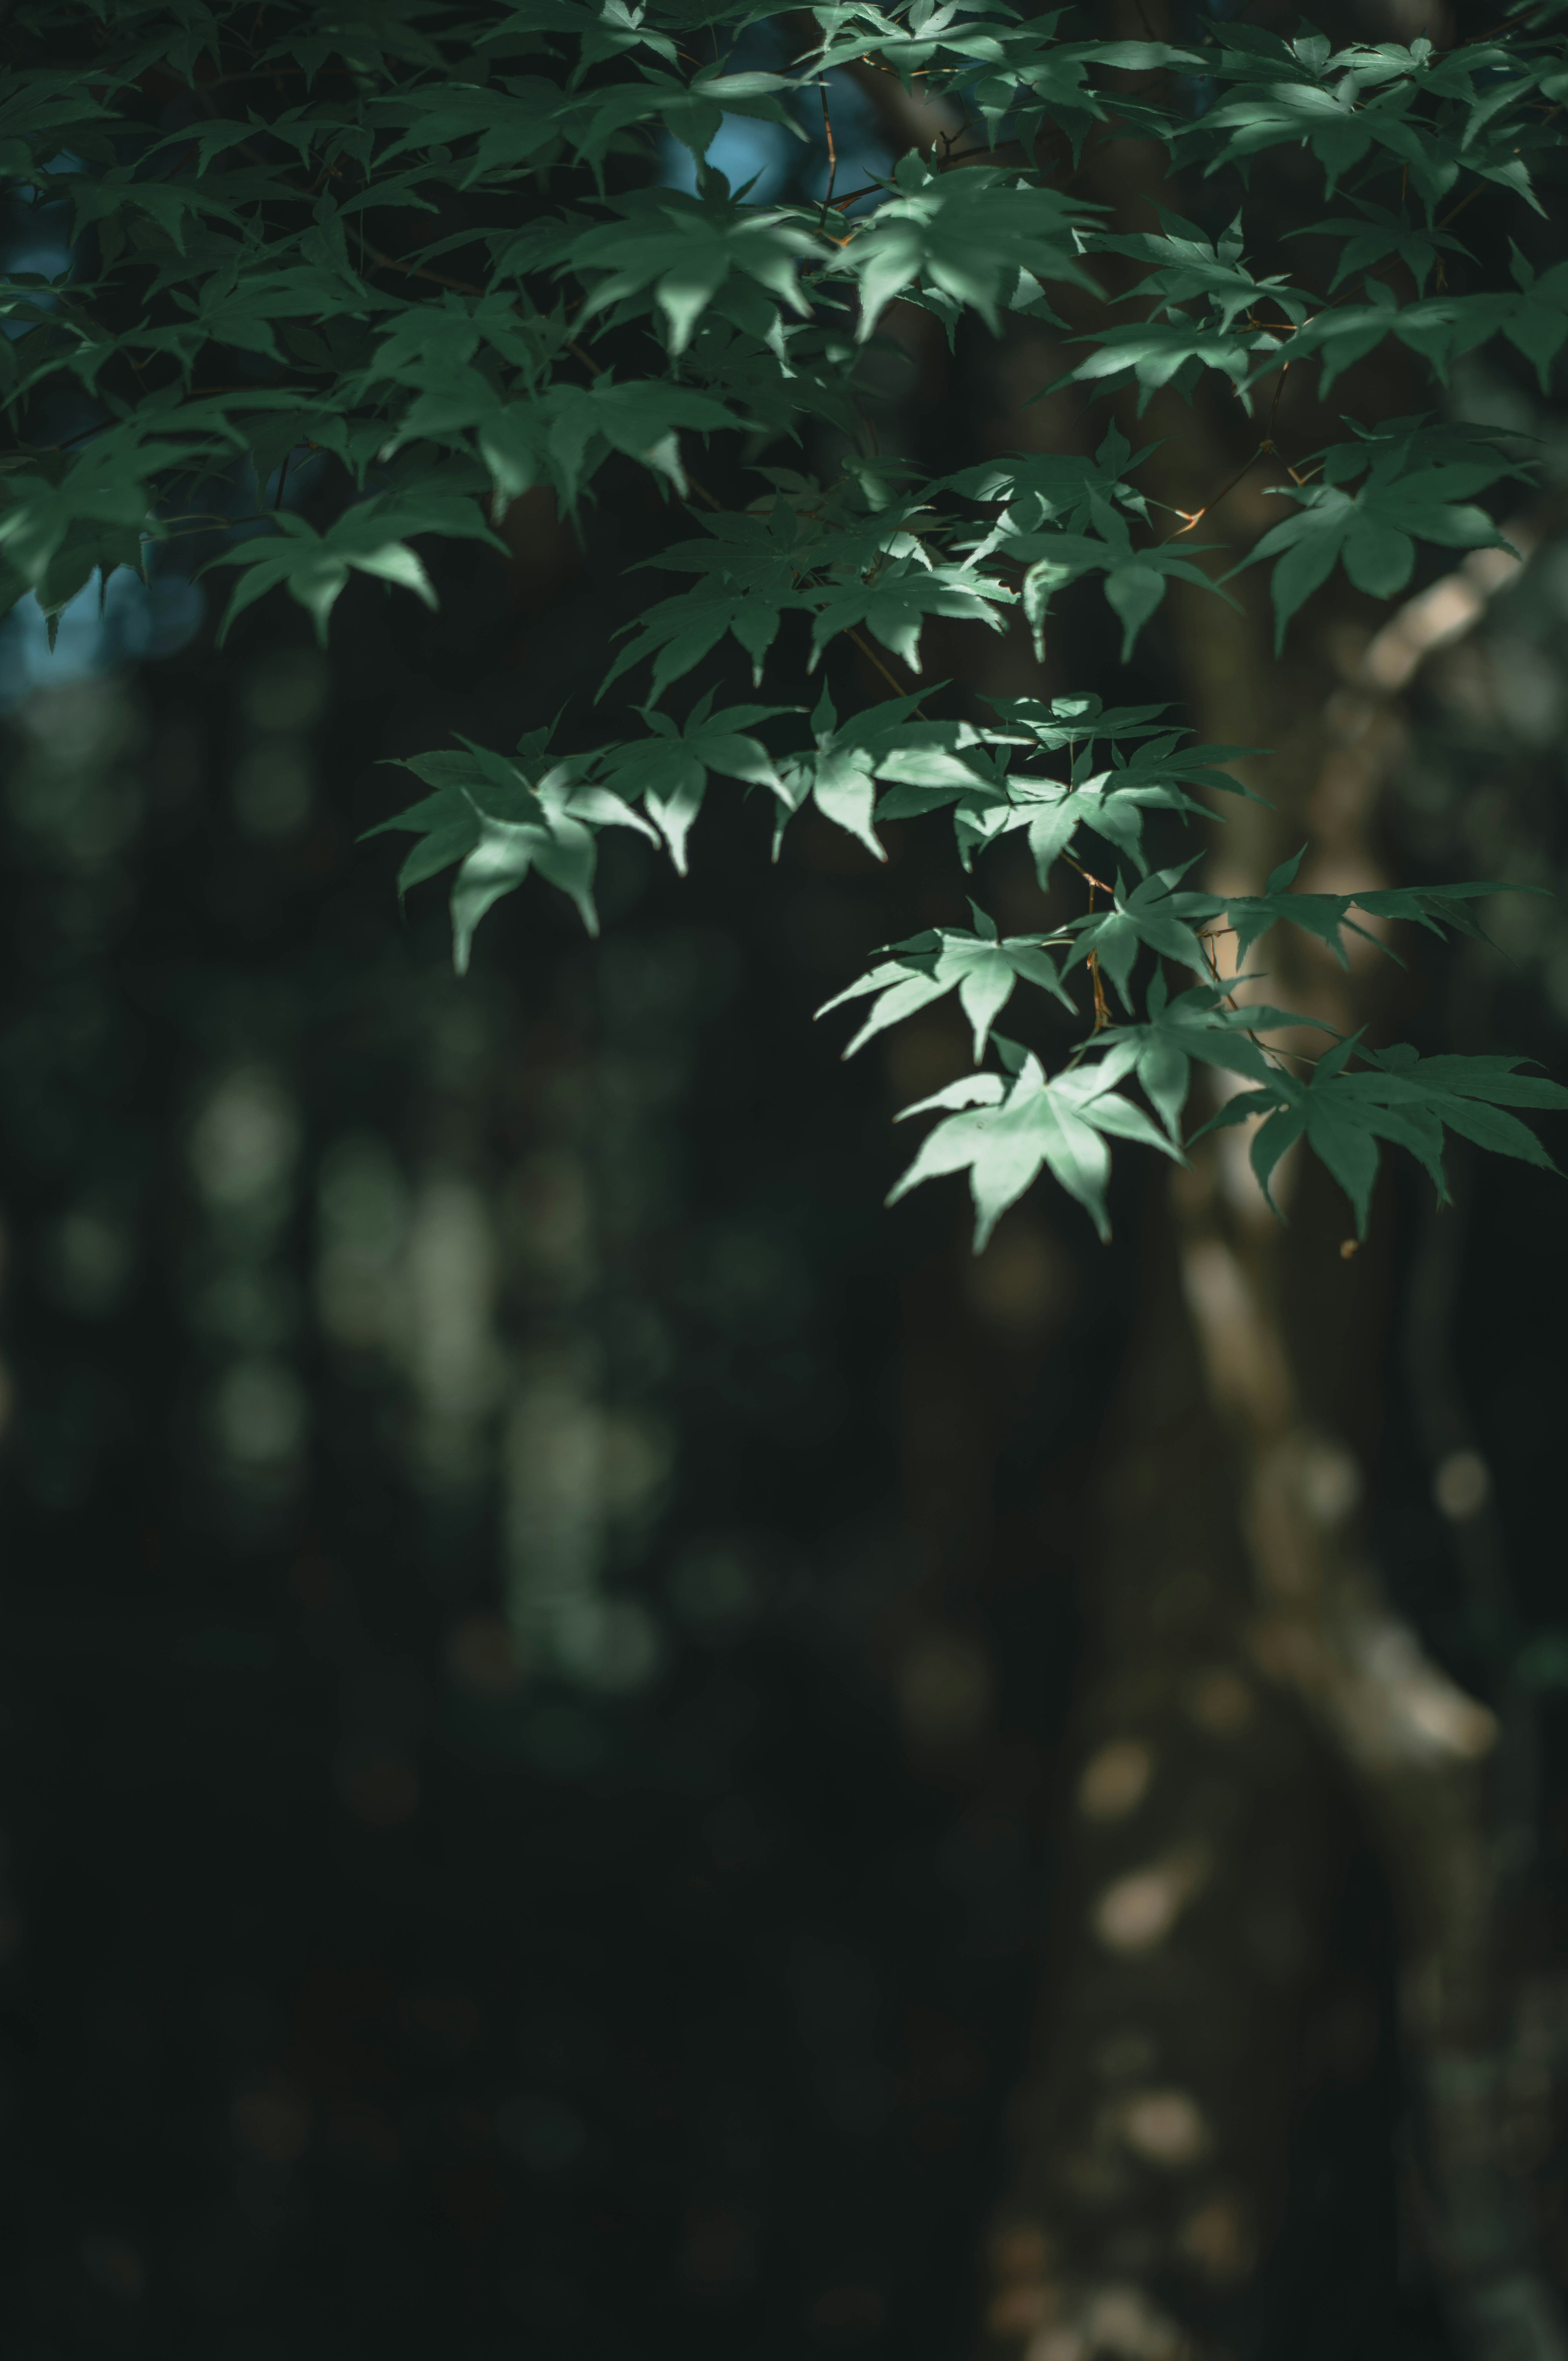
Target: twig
x,y
1212,934
1191,517
418,271
854,196
1482,186
1101,1006
1454,211
872,658
1094,884
467,287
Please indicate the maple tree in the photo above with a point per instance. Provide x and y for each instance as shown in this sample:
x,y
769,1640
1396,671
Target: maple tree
x,y
237,177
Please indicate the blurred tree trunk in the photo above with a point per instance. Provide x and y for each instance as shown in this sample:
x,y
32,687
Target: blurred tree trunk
x,y
1254,1709
1251,1688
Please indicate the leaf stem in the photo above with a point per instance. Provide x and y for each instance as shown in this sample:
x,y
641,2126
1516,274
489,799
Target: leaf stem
x,y
872,658
832,156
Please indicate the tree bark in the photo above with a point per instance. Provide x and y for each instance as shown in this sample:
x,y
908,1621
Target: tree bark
x,y
1254,1698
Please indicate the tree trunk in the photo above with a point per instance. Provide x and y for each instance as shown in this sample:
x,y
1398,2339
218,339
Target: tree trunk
x,y
1255,1702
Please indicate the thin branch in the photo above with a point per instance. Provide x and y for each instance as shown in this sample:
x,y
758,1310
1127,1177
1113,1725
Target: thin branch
x,y
832,155
872,658
1212,935
836,204
1191,517
1454,211
467,287
1101,1006
1094,884
418,271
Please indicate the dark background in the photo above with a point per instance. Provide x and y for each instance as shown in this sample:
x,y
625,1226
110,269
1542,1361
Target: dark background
x,y
402,1955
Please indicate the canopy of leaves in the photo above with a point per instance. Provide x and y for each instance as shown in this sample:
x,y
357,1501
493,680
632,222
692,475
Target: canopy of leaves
x,y
348,283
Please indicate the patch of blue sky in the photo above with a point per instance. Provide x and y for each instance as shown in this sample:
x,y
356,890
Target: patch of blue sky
x,y
111,627
39,257
38,250
765,154
779,166
773,167
859,144
107,628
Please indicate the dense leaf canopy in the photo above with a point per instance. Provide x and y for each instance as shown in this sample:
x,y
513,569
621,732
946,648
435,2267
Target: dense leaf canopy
x,y
419,261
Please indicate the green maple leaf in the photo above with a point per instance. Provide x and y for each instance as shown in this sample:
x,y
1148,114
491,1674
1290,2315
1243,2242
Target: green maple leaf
x,y
1419,484
931,763
1152,914
1439,327
1326,916
1020,1128
517,125
965,234
500,818
685,248
750,565
1051,813
679,632
692,113
1199,1026
1538,321
97,506
1079,720
982,968
894,601
1467,1094
1374,232
238,307
171,203
1175,352
1040,490
668,772
603,28
560,435
1405,1099
1036,79
644,418
368,538
947,762
1136,579
1186,267
1342,106
41,108
839,774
